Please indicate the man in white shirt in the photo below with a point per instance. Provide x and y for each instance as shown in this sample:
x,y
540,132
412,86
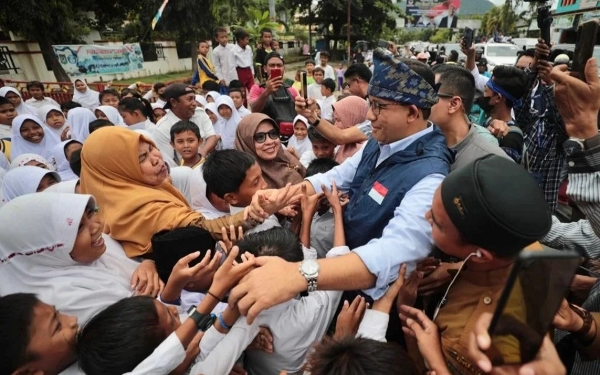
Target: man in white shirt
x,y
244,58
328,69
181,100
224,59
38,100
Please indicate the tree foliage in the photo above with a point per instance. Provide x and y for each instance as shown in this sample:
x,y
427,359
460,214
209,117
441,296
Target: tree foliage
x,y
257,20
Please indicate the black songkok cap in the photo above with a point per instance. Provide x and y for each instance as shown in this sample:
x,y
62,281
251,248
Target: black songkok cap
x,y
495,204
170,246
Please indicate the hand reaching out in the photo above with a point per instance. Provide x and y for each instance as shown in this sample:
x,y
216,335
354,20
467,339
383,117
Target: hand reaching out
x,y
385,303
350,317
145,280
231,238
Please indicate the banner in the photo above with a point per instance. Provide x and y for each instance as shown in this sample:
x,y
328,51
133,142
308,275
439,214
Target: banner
x,y
432,13
79,60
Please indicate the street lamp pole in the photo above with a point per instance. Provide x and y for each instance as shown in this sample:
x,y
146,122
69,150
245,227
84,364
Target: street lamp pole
x,y
348,30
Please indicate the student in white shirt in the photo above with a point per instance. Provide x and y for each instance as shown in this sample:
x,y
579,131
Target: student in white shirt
x,y
327,90
244,58
238,99
38,100
137,114
7,115
224,59
328,69
314,89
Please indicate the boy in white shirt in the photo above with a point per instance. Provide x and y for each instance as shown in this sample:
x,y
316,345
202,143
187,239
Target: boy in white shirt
x,y
224,59
328,69
314,89
38,100
327,90
244,58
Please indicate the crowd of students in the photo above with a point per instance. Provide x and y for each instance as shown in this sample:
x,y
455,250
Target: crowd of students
x,y
178,232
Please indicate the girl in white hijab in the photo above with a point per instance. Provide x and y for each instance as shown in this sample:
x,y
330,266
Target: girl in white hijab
x,y
299,141
30,136
80,119
20,105
4,164
61,153
212,96
54,119
228,120
213,114
85,96
27,180
201,100
69,262
109,113
67,187
34,160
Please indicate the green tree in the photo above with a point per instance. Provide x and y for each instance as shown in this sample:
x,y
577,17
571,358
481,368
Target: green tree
x,y
441,36
257,20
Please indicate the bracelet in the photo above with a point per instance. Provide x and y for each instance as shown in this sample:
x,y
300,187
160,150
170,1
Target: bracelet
x,y
213,296
222,323
587,325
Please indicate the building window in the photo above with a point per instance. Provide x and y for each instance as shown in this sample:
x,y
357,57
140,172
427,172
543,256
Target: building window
x,y
7,64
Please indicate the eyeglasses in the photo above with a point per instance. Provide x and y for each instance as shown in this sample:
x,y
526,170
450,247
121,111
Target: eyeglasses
x,y
376,107
262,136
449,96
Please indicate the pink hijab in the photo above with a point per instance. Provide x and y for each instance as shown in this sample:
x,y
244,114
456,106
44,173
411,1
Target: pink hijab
x,y
350,111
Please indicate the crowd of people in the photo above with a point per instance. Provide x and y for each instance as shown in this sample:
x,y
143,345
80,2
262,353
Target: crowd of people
x,y
365,224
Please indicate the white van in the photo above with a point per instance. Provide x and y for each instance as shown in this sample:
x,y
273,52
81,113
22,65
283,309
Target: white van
x,y
498,53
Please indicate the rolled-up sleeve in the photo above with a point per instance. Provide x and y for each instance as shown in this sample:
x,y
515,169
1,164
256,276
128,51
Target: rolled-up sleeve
x,y
480,81
405,239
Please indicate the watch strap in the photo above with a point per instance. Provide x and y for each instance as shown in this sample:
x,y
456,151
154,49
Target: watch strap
x,y
316,123
203,321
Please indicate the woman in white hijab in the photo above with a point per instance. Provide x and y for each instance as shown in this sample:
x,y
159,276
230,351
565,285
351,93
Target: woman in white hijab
x,y
109,113
80,119
27,180
69,262
20,105
60,153
228,120
212,95
85,96
30,136
34,160
57,123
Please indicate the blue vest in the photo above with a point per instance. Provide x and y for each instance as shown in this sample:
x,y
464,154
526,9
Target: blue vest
x,y
376,191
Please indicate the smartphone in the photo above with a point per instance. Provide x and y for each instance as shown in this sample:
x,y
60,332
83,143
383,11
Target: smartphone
x,y
468,37
276,73
536,286
584,47
383,43
304,81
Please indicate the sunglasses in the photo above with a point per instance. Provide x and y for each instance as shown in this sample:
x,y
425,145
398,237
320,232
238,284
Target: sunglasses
x,y
262,136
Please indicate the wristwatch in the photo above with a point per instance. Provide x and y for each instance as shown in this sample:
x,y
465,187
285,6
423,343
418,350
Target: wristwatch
x,y
574,145
316,123
310,270
203,321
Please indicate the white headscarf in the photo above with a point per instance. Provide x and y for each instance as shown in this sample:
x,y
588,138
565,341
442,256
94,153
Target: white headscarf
x,y
156,106
213,94
80,119
61,164
227,128
181,180
89,99
202,100
24,180
23,159
23,108
4,164
67,187
213,108
112,114
2,173
41,263
199,200
301,146
19,146
43,113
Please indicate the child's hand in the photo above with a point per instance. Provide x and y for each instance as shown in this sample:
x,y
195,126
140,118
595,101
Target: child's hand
x,y
333,197
384,304
309,204
145,280
182,273
350,317
231,272
229,240
293,151
288,211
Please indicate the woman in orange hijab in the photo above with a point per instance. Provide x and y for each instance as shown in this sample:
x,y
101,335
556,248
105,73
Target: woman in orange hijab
x,y
128,176
257,134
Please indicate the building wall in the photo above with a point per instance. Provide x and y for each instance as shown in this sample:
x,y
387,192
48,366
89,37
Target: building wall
x,y
28,58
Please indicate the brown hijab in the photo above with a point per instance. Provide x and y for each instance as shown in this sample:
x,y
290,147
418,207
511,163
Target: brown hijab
x,y
277,172
134,211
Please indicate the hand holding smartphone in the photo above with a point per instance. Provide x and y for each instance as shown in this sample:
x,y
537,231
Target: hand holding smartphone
x,y
276,73
584,47
468,37
304,81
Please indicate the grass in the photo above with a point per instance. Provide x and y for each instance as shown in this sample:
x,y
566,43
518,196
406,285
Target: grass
x,y
157,78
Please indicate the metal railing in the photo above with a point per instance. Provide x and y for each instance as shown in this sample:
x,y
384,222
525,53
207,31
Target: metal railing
x,y
6,61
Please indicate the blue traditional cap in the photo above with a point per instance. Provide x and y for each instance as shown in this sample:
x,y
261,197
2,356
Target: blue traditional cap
x,y
394,80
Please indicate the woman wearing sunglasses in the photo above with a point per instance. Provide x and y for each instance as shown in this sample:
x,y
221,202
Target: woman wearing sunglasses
x,y
258,134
